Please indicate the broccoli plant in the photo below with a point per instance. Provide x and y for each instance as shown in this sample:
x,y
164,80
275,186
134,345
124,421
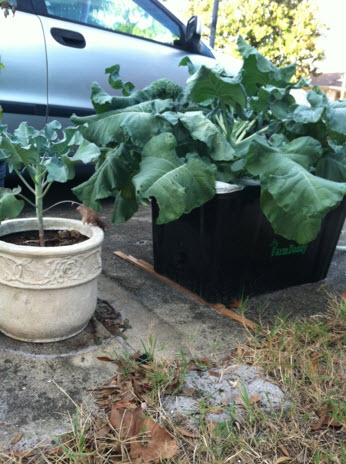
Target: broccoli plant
x,y
46,159
164,89
172,146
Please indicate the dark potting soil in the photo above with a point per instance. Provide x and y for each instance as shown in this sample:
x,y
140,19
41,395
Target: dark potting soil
x,y
53,238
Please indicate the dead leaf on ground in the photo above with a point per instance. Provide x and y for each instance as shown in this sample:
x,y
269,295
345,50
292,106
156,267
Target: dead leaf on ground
x,y
252,400
125,405
343,295
17,438
105,359
55,450
186,433
188,392
89,216
284,450
103,432
214,374
22,454
123,420
283,459
154,442
255,399
2,423
325,420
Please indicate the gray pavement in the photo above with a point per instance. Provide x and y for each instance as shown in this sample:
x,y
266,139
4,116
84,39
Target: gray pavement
x,y
42,384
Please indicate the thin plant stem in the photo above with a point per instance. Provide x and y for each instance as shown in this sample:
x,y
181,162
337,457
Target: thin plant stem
x,y
225,123
43,173
262,131
240,129
39,207
61,202
221,124
27,200
247,128
27,185
44,193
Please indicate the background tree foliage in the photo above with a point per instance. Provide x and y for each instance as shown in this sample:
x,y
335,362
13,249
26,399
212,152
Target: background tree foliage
x,y
285,31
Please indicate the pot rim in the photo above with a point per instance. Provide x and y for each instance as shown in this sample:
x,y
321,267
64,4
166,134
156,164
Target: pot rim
x,y
94,233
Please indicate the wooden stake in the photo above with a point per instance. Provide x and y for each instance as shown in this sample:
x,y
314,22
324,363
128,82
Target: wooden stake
x,y
220,308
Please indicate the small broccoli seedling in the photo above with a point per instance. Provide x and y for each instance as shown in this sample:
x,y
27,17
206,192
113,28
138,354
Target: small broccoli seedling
x,y
164,88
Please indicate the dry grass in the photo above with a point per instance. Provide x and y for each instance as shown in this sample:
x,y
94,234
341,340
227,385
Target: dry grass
x,y
306,358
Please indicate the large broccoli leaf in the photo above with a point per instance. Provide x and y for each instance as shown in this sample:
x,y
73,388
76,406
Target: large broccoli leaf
x,y
332,167
204,130
336,123
294,200
257,71
208,83
125,205
137,123
178,185
109,178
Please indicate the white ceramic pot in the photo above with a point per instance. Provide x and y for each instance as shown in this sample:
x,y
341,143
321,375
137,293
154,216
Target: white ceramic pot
x,y
48,294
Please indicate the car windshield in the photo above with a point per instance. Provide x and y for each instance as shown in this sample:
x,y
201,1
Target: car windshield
x,y
141,18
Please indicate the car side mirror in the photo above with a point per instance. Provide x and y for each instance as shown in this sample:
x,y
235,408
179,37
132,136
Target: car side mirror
x,y
193,34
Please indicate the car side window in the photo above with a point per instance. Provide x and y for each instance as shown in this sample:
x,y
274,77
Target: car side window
x,y
134,17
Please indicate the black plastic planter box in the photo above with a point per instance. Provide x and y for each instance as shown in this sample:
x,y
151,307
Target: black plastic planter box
x,y
227,249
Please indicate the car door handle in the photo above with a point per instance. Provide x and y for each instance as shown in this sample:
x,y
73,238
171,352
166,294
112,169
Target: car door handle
x,y
68,38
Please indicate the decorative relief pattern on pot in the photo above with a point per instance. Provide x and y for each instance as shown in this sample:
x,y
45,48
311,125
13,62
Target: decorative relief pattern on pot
x,y
64,271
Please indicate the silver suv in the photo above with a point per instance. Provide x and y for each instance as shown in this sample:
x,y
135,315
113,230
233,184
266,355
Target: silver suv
x,y
54,49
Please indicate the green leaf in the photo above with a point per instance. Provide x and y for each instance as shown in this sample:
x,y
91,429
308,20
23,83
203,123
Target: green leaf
x,y
204,130
114,77
100,99
305,114
24,134
208,83
86,153
125,205
110,177
103,102
313,113
58,170
10,206
336,124
177,185
15,154
137,123
50,130
332,167
305,151
258,71
191,67
291,226
298,197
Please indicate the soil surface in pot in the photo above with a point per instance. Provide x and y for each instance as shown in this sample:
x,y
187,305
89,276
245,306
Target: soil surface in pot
x,y
53,238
